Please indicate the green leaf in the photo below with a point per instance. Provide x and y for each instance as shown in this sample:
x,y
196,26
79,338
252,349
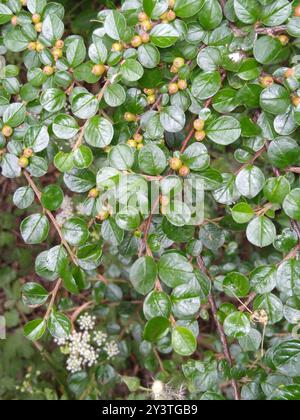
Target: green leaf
x,y
174,269
276,189
37,138
80,181
206,85
172,119
237,325
14,115
247,11
85,105
115,25
263,279
34,294
52,197
75,231
143,274
286,358
283,152
131,70
272,305
261,232
121,157
291,204
164,35
35,229
276,13
187,8
115,95
236,284
5,14
59,325
128,219
242,213
156,328
82,157
64,162
250,181
152,160
99,132
275,99
288,279
23,197
210,15
53,28
34,330
157,304
65,127
224,130
76,51
266,49
10,166
196,157
53,100
149,56
184,342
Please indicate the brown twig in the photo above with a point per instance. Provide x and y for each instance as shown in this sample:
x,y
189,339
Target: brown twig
x,y
220,329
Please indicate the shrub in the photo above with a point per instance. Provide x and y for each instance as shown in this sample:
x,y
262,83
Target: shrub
x,y
101,137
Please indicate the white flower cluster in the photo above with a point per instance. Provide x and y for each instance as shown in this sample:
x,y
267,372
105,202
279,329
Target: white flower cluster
x,y
66,210
84,347
87,322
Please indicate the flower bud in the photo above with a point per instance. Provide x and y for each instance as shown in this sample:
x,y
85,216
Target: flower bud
x,y
7,131
175,164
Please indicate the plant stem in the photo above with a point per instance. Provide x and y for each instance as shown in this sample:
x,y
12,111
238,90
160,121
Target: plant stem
x,y
220,328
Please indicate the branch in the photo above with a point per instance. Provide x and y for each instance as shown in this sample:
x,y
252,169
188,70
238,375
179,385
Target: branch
x,y
220,329
50,215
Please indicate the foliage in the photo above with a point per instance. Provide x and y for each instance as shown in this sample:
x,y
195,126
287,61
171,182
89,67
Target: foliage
x,y
155,95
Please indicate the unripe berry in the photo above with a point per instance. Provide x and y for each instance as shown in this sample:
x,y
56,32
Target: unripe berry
x,y
132,143
36,18
151,99
149,91
145,38
267,81
296,101
146,25
289,73
179,62
200,135
184,171
284,39
129,117
182,84
117,47
57,53
39,47
138,138
98,69
38,27
103,215
140,146
297,11
136,41
174,69
94,193
7,131
164,200
48,70
23,162
14,21
164,16
171,15
175,164
173,88
28,153
199,124
142,16
59,44
32,46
